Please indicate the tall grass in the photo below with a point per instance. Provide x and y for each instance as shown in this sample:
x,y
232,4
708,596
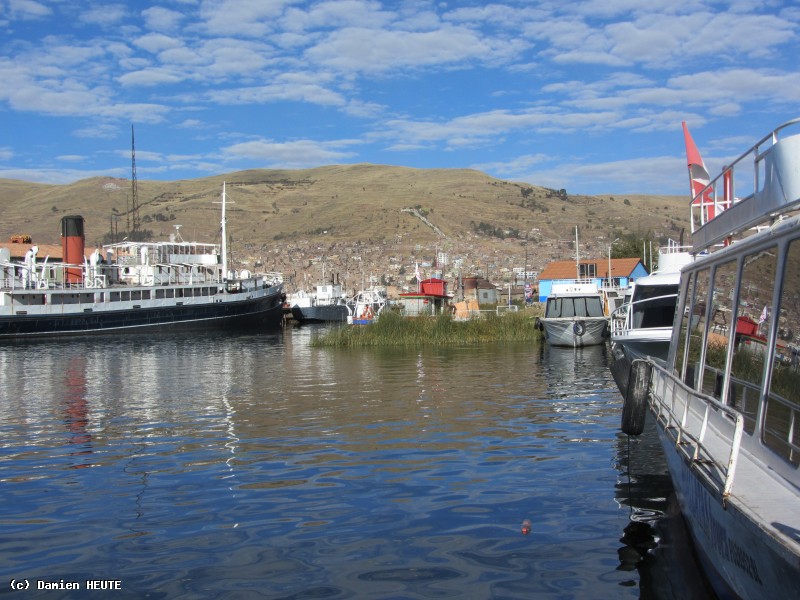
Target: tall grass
x,y
392,329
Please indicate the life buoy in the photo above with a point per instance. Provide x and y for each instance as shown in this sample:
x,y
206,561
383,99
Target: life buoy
x,y
634,408
579,328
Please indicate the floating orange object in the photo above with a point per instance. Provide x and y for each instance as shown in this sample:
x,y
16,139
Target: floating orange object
x,y
526,527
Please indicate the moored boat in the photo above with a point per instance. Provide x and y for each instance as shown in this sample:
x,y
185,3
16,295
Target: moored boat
x,y
642,326
726,401
574,315
326,303
366,306
133,286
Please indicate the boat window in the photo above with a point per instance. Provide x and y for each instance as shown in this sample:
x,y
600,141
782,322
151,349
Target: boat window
x,y
592,307
683,332
654,305
719,327
752,315
782,417
574,307
555,308
697,329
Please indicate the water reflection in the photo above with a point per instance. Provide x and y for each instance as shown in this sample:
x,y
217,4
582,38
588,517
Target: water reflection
x,y
241,465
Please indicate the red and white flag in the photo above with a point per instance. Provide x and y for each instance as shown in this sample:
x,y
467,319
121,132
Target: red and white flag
x,y
698,176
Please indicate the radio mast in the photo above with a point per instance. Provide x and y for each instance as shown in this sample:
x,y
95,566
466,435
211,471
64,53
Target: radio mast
x,y
134,188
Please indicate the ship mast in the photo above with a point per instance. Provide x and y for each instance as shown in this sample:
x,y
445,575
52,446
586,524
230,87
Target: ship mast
x,y
224,238
134,193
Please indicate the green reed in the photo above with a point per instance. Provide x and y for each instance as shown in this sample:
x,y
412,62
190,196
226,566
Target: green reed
x,y
393,329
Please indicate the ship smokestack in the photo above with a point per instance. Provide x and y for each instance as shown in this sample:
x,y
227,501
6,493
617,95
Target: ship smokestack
x,y
73,244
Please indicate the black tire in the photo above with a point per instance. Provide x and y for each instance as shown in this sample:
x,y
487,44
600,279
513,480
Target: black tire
x,y
579,328
634,408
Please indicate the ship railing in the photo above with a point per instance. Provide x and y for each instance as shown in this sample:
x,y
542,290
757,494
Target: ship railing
x,y
769,186
686,414
673,247
272,277
622,317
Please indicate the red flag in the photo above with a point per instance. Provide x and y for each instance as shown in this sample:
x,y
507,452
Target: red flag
x,y
698,176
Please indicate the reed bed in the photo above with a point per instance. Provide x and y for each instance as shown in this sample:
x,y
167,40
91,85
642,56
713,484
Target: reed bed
x,y
392,329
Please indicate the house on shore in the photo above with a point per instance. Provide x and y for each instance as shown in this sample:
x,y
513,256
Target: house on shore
x,y
429,300
614,273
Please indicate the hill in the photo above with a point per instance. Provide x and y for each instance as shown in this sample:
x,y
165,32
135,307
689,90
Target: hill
x,y
377,218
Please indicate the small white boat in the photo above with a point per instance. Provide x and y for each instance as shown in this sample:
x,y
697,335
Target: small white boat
x,y
366,306
642,326
726,401
574,315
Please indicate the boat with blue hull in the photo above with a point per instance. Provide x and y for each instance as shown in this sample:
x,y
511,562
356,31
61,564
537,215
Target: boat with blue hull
x,y
133,286
726,401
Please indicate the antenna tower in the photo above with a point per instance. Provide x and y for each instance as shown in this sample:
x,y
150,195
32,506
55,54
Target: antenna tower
x,y
134,186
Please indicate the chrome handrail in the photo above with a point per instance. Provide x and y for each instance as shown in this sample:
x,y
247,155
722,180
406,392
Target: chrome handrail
x,y
675,412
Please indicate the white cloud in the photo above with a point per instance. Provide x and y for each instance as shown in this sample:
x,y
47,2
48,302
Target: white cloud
x,y
369,50
158,18
157,42
104,15
27,9
249,18
290,155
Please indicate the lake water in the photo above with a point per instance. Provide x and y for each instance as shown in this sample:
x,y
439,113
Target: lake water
x,y
256,466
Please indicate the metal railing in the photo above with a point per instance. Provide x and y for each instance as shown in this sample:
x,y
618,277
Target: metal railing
x,y
621,317
686,414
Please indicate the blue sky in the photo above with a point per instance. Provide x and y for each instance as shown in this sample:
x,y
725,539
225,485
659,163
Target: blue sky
x,y
587,96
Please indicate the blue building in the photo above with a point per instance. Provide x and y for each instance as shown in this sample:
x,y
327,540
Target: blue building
x,y
623,272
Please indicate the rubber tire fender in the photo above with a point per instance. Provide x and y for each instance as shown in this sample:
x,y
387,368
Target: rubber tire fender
x,y
634,408
579,328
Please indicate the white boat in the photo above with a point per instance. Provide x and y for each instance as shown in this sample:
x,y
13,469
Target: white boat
x,y
366,306
326,303
642,326
133,286
726,401
574,315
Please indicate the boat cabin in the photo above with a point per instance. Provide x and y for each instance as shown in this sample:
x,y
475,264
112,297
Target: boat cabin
x,y
432,299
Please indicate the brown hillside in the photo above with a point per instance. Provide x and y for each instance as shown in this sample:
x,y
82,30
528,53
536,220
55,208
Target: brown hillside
x,y
322,211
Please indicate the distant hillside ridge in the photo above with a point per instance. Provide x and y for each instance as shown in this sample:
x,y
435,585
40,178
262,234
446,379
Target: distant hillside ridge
x,y
343,203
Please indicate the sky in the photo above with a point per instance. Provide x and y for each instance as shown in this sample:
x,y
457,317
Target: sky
x,y
586,96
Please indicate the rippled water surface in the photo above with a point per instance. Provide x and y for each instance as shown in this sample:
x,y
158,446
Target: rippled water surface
x,y
257,466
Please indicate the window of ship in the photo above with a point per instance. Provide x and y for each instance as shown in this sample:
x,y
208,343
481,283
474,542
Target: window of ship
x,y
719,326
683,332
170,293
136,295
752,322
574,307
160,294
654,305
782,415
697,329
